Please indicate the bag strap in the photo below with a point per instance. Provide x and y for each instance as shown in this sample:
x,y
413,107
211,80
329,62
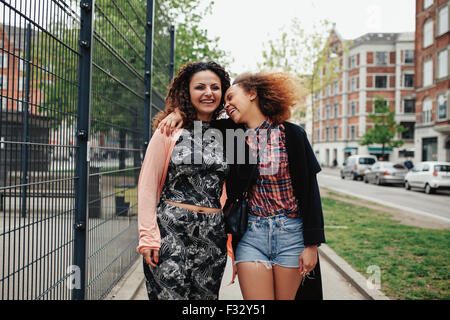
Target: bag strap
x,y
255,168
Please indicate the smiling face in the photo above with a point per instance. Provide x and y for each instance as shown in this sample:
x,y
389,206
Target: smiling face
x,y
238,104
206,92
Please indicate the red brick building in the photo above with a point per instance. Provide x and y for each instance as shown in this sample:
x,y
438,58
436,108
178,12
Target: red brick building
x,y
12,71
432,45
374,64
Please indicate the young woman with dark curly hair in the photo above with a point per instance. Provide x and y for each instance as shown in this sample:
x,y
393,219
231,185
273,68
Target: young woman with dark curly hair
x,y
285,224
181,227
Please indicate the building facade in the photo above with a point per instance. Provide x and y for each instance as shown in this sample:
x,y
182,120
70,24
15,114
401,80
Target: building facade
x,y
432,45
13,42
374,64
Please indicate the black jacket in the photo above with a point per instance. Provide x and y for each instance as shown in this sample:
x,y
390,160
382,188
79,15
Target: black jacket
x,y
303,167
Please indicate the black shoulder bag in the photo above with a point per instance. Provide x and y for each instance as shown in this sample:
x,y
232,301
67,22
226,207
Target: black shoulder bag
x,y
236,213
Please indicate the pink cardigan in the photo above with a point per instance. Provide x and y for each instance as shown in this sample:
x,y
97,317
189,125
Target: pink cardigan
x,y
151,181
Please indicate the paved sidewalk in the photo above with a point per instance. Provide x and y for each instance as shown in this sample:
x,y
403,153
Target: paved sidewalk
x,y
340,282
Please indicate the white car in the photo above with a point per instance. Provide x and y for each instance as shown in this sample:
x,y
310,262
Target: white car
x,y
429,175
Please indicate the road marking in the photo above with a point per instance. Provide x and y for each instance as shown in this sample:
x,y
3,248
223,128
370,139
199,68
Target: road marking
x,y
389,204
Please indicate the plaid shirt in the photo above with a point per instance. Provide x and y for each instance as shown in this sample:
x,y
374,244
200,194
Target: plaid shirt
x,y
273,192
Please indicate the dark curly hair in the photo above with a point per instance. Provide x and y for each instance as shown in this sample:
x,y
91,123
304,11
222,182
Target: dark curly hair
x,y
179,97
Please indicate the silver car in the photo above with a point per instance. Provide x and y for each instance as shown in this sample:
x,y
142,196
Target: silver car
x,y
384,172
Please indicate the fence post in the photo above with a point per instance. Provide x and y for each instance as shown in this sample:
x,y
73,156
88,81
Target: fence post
x,y
82,151
172,52
24,178
148,71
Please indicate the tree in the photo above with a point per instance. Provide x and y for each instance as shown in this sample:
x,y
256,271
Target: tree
x,y
193,42
118,62
384,127
314,57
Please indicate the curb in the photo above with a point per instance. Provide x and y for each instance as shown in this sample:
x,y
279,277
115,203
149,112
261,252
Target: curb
x,y
129,284
351,275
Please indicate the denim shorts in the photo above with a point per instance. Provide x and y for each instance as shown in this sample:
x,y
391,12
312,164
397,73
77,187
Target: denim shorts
x,y
272,240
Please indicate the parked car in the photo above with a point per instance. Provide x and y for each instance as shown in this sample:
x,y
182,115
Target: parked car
x,y
430,176
384,172
356,165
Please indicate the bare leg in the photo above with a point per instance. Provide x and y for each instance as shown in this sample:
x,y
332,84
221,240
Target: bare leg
x,y
256,281
287,281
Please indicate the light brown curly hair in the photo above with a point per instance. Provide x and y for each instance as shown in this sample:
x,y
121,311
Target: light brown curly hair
x,y
179,97
277,92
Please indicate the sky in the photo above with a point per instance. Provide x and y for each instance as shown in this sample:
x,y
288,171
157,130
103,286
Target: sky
x,y
244,25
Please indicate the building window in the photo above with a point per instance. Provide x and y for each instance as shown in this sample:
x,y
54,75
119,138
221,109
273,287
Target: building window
x,y
427,108
427,3
381,58
4,61
328,90
443,20
353,108
20,84
19,106
408,81
409,56
353,83
427,73
4,103
380,81
428,33
352,132
3,82
442,64
336,87
409,106
409,133
429,149
335,133
336,110
327,112
442,106
353,62
21,65
327,134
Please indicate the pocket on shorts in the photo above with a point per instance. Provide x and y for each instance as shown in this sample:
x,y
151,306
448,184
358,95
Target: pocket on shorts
x,y
292,224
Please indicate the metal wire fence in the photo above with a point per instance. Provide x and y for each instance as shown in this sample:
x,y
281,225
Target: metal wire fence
x,y
73,92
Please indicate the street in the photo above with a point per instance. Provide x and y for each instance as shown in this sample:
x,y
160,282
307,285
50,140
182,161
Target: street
x,y
434,206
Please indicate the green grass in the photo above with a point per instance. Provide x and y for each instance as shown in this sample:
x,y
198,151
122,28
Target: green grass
x,y
414,262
